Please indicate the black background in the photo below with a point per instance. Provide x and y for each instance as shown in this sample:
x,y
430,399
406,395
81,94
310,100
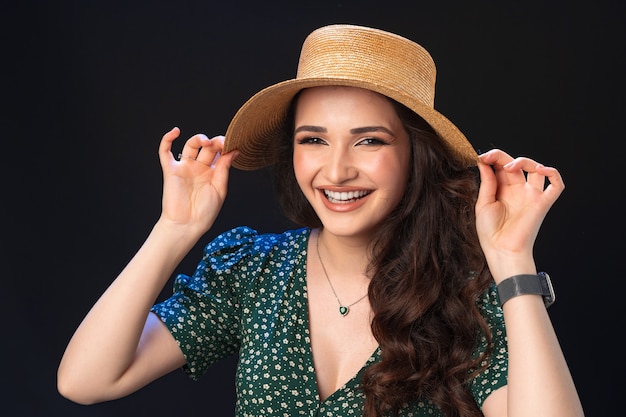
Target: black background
x,y
88,89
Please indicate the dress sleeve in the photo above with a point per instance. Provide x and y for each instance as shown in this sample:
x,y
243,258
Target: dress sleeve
x,y
203,313
496,374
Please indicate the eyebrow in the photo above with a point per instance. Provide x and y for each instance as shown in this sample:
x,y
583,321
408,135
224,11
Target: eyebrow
x,y
316,129
367,129
356,130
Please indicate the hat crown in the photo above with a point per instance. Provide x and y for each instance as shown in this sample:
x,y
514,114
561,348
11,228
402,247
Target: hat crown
x,y
371,55
344,55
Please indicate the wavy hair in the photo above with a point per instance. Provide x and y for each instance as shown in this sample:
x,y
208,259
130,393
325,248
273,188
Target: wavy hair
x,y
427,272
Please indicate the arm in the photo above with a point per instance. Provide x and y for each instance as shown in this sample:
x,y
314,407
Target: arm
x,y
119,346
512,203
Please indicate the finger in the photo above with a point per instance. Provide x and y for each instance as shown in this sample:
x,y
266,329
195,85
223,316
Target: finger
x,y
499,159
193,146
537,173
536,180
165,146
211,150
556,186
522,163
222,168
496,157
488,184
522,170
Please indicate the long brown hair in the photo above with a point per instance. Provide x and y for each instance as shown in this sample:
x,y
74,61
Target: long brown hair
x,y
427,270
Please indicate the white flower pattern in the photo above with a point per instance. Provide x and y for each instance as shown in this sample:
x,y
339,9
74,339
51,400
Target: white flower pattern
x,y
248,297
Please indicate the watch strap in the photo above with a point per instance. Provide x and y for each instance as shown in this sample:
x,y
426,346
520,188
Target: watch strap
x,y
516,285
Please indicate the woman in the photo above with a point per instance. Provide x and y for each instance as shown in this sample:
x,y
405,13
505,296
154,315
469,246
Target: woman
x,y
385,301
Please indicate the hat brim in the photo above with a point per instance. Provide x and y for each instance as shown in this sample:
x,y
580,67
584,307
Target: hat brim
x,y
256,126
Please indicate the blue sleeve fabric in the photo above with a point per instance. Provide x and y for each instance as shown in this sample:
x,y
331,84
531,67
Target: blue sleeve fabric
x,y
203,313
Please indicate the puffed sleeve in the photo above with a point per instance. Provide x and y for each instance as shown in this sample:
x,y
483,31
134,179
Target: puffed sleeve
x,y
496,374
203,313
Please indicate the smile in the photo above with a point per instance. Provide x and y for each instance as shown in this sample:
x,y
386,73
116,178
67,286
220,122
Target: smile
x,y
345,197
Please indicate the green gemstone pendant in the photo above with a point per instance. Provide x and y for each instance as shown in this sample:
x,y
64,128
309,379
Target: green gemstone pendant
x,y
344,310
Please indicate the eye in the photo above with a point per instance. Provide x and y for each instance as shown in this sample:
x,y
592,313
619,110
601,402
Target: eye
x,y
310,140
371,141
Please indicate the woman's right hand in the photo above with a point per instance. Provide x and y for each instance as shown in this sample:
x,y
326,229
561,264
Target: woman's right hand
x,y
194,187
120,347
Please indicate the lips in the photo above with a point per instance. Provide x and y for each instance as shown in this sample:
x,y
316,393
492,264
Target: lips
x,y
345,197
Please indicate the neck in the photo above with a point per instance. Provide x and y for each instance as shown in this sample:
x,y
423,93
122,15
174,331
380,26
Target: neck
x,y
346,257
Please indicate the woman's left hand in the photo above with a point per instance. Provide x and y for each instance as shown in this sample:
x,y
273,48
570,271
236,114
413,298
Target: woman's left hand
x,y
512,202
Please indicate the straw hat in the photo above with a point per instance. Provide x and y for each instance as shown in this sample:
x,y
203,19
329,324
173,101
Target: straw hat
x,y
344,55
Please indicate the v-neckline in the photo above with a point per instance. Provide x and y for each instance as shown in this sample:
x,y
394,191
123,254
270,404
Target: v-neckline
x,y
309,347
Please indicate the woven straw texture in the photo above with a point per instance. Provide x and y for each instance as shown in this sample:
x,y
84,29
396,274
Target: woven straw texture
x,y
344,55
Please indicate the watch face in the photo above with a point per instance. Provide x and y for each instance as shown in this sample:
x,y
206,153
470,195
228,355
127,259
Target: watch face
x,y
549,295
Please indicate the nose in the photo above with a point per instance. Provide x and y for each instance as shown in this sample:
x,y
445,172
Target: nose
x,y
340,165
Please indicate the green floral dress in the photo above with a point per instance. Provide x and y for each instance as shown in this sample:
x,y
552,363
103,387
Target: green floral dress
x,y
248,296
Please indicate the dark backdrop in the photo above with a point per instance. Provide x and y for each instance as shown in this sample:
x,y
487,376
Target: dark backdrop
x,y
88,88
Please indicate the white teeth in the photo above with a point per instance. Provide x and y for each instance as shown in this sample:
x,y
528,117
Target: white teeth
x,y
344,196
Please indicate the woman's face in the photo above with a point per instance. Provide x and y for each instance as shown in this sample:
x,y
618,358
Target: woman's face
x,y
351,157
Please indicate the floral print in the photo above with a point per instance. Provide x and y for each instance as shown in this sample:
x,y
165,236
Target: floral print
x,y
248,297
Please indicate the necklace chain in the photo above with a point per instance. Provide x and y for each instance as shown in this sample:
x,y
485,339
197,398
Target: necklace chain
x,y
343,309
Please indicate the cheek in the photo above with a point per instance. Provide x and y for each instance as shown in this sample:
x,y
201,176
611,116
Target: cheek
x,y
300,167
393,173
391,166
404,161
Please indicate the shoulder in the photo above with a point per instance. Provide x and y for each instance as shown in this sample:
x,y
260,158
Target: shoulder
x,y
241,256
244,236
246,244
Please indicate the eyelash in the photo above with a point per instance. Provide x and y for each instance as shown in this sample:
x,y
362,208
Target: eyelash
x,y
369,141
372,141
310,140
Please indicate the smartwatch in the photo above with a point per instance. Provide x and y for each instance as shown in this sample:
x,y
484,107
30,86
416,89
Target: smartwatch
x,y
539,284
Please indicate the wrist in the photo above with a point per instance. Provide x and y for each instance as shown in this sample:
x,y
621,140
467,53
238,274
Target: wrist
x,y
504,266
178,234
527,284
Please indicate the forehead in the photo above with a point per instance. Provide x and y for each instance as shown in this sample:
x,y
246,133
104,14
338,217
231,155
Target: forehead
x,y
338,90
344,99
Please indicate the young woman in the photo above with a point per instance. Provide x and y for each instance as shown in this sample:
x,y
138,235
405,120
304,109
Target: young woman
x,y
410,289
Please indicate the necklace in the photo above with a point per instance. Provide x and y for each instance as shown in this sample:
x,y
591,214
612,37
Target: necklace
x,y
343,309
